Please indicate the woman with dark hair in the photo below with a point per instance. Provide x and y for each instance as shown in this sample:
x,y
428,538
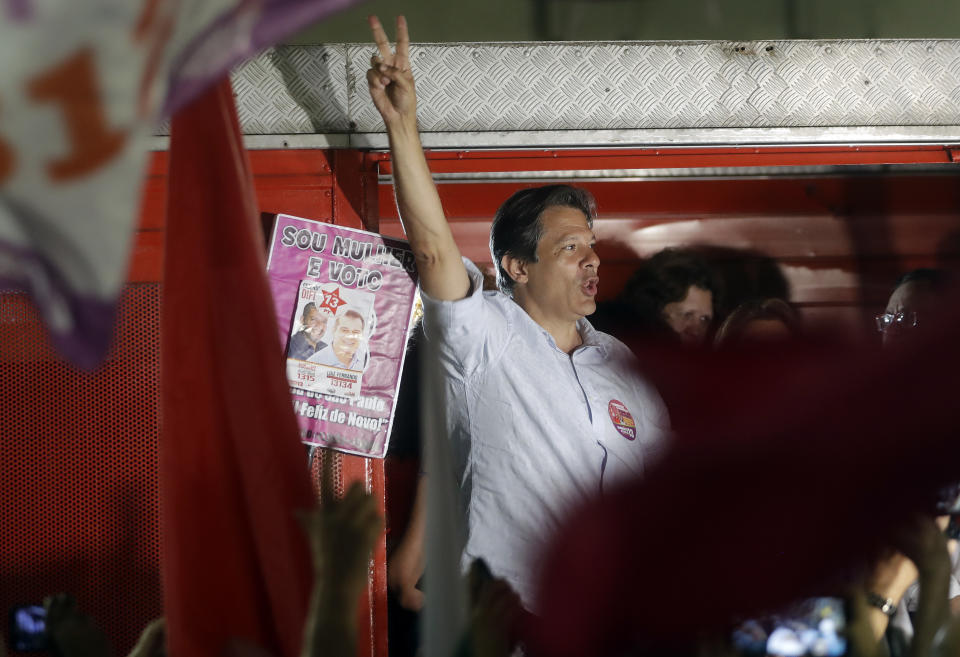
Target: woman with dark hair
x,y
673,294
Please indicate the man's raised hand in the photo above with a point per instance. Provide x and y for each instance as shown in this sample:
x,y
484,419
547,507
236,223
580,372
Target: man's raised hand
x,y
390,78
442,273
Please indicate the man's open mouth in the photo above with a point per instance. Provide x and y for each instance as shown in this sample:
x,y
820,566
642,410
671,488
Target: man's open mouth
x,y
590,286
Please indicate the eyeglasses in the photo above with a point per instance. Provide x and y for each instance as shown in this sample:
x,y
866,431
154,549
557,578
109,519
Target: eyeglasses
x,y
901,320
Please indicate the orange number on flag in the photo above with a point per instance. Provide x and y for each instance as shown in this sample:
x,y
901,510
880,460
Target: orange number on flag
x,y
73,85
147,19
155,26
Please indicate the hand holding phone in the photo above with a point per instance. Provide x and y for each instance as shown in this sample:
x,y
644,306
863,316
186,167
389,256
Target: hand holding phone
x,y
70,632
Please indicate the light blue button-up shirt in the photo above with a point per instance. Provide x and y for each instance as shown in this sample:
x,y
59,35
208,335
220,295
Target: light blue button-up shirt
x,y
534,430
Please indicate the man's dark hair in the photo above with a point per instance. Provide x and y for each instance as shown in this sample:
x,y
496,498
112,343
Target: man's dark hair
x,y
517,227
936,279
350,313
307,309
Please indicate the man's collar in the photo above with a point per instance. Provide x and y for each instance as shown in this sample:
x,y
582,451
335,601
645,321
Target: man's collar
x,y
591,337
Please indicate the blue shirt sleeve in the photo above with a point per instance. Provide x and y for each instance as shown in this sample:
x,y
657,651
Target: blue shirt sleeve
x,y
471,332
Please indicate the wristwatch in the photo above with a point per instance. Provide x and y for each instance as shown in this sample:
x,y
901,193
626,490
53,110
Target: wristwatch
x,y
886,605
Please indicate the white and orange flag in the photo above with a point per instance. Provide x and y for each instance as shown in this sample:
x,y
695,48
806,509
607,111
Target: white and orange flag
x,y
82,85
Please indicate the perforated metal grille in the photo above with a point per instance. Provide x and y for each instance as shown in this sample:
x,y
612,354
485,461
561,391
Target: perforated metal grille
x,y
78,469
316,457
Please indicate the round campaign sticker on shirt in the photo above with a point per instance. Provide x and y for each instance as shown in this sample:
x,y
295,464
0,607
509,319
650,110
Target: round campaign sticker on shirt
x,y
622,420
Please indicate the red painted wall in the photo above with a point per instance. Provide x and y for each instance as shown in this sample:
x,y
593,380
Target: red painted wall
x,y
78,482
78,496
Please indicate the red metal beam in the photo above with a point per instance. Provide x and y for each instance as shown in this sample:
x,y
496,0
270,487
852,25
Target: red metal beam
x,y
488,161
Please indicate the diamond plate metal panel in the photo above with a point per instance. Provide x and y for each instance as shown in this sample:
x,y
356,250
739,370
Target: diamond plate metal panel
x,y
293,89
628,86
615,86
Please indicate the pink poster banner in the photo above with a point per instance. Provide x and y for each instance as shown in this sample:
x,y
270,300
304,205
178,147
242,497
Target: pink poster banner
x,y
344,301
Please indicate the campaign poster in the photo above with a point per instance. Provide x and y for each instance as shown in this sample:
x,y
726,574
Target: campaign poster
x,y
328,343
344,300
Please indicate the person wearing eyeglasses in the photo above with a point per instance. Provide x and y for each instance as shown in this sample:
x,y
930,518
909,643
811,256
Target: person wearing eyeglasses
x,y
913,306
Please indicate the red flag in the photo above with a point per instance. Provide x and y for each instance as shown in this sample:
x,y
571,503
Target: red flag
x,y
235,563
804,461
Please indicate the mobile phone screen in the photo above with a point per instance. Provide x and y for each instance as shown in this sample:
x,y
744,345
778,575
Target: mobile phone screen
x,y
949,500
814,627
28,628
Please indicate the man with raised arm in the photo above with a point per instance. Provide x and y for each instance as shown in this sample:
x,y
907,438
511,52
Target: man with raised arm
x,y
544,411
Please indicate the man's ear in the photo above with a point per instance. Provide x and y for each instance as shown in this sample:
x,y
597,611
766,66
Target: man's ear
x,y
515,268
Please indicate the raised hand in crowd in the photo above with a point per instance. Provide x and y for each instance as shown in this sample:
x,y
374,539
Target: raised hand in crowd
x,y
922,556
890,579
71,632
152,641
496,614
861,626
341,534
925,544
390,79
